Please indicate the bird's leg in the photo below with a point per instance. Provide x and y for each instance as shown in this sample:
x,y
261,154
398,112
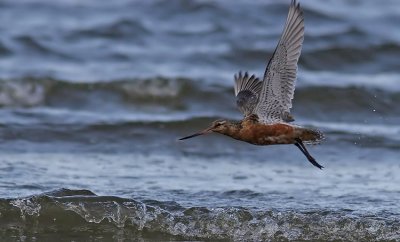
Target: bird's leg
x,y
299,144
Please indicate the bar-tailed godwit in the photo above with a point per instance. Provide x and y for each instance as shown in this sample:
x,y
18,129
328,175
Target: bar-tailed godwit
x,y
266,103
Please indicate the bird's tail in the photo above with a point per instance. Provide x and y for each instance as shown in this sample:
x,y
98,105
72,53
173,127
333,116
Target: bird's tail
x,y
311,136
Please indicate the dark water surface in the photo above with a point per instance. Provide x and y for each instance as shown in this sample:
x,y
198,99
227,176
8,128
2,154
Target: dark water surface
x,y
95,94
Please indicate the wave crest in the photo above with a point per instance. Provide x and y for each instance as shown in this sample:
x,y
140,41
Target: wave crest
x,y
111,214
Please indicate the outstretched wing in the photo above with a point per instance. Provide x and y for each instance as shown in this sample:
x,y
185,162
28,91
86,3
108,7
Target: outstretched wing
x,y
278,86
247,91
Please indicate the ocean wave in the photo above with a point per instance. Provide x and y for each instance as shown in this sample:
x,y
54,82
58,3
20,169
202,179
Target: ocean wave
x,y
363,134
32,45
73,111
92,40
380,81
377,90
117,29
28,92
83,209
89,132
352,58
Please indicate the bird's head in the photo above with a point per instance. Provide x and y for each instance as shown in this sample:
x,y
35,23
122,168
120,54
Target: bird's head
x,y
218,126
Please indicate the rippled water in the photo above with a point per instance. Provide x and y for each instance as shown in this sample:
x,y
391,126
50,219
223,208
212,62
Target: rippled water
x,y
93,97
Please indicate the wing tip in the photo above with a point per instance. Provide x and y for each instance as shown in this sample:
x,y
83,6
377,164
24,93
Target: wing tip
x,y
246,82
295,4
295,7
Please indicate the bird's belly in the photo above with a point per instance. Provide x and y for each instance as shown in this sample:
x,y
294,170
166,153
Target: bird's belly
x,y
262,134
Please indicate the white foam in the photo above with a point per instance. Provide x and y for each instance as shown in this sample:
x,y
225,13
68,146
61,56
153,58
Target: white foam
x,y
386,81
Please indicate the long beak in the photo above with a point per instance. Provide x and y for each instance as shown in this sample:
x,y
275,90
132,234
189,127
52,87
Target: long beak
x,y
206,131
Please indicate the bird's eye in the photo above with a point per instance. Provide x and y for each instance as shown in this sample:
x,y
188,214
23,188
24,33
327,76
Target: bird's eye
x,y
218,123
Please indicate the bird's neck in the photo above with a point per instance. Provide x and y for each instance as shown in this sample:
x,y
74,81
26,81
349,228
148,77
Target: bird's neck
x,y
234,128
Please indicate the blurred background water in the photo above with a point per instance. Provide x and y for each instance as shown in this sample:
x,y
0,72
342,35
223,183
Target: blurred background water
x,y
95,94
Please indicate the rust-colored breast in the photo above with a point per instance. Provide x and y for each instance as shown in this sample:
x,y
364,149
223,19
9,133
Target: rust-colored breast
x,y
266,134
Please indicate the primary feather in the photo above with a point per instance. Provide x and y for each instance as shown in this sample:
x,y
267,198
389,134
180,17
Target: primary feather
x,y
247,91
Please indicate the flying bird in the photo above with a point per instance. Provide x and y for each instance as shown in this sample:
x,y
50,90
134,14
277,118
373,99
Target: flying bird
x,y
266,103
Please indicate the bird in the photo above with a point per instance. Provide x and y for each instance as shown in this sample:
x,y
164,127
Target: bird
x,y
266,102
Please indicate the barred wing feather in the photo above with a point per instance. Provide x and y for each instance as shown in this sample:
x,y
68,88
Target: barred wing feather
x,y
247,91
278,85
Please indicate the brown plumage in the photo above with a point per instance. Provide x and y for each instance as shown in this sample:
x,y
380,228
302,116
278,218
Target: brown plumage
x,y
266,103
250,130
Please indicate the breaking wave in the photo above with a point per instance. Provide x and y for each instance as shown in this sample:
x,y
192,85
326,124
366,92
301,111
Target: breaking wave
x,y
180,92
85,211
